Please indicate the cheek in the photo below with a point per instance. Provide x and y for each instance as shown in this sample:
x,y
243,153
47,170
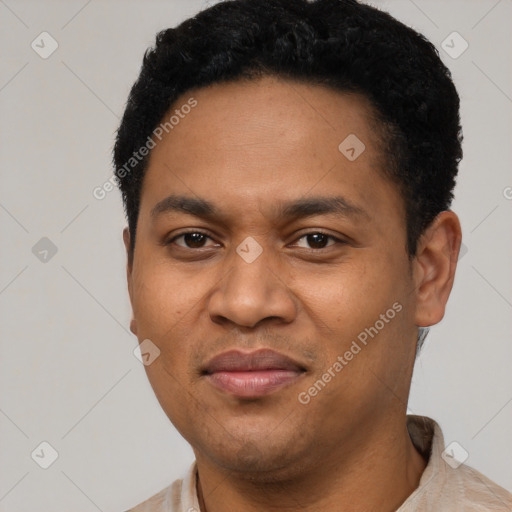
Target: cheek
x,y
173,392
164,299
345,299
166,308
165,304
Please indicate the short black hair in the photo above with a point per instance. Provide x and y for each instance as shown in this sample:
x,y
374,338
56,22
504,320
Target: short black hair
x,y
343,44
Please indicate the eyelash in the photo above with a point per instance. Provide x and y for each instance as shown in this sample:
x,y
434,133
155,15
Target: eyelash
x,y
337,240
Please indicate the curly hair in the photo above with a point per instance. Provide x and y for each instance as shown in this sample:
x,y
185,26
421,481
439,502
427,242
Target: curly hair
x,y
342,44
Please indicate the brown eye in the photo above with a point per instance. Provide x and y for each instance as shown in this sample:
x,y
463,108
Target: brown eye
x,y
317,240
191,240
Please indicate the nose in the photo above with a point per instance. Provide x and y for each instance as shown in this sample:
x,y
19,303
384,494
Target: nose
x,y
252,292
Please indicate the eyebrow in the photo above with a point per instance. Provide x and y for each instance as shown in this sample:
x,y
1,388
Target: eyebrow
x,y
296,209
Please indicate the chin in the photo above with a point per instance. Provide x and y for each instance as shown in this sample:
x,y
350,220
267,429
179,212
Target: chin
x,y
259,457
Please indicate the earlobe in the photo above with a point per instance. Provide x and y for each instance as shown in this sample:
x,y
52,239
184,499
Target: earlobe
x,y
435,264
133,326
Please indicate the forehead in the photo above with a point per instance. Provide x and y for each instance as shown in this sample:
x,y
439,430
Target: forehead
x,y
260,109
254,141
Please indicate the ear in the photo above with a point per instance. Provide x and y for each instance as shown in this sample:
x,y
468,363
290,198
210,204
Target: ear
x,y
434,267
129,278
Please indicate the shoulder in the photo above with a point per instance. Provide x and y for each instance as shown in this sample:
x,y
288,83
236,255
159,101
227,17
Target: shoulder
x,y
476,491
447,485
460,489
167,500
180,496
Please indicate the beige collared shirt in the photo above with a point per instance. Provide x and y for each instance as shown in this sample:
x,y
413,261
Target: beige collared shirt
x,y
444,486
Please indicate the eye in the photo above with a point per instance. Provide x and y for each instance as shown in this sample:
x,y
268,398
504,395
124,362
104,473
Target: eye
x,y
197,240
318,240
190,240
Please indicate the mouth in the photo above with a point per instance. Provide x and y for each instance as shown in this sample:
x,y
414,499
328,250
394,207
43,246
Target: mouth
x,y
253,374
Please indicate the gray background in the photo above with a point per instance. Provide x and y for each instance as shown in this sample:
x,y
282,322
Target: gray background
x,y
68,375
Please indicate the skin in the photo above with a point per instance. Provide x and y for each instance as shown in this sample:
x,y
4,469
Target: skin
x,y
245,147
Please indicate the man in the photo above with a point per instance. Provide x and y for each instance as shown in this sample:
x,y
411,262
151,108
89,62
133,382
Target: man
x,y
287,169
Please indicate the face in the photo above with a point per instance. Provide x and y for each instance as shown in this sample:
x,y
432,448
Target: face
x,y
270,271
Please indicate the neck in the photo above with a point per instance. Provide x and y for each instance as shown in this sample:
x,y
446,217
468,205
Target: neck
x,y
378,473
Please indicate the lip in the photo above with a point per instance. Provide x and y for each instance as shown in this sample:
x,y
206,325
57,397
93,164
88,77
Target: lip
x,y
251,374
